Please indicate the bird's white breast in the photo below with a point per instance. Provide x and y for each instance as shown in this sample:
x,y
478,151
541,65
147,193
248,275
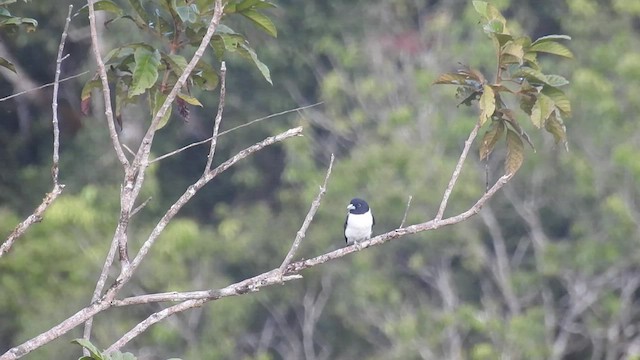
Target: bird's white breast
x,y
358,227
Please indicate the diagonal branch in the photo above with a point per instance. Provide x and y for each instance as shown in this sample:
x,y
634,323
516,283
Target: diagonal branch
x,y
307,220
36,216
193,189
216,123
457,171
108,111
43,86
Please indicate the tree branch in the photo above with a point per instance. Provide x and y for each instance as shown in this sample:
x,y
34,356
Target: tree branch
x,y
42,86
230,130
36,216
216,123
193,189
108,111
457,171
307,220
292,270
406,211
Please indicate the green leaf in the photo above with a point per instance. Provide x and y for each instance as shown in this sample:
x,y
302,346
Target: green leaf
x,y
103,5
205,76
145,72
490,138
117,355
555,126
88,87
140,11
452,78
551,38
551,47
158,99
541,110
262,21
264,70
534,76
514,50
188,13
487,104
7,64
29,23
556,80
246,4
560,99
93,350
177,63
481,7
515,152
189,99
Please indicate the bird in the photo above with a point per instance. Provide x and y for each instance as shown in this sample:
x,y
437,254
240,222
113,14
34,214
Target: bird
x,y
358,225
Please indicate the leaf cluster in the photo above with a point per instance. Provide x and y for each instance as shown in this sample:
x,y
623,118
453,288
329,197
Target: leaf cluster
x,y
519,74
152,68
11,24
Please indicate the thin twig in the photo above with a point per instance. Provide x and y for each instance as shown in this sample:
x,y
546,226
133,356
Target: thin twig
x,y
232,129
54,102
307,220
102,70
406,211
42,86
141,206
216,123
50,197
457,171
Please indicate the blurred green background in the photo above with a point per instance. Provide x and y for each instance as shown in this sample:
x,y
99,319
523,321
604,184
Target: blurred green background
x,y
548,270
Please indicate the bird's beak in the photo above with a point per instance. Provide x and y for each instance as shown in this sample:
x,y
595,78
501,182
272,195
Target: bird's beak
x,y
351,207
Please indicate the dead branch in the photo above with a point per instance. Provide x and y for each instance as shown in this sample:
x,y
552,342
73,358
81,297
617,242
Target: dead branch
x,y
216,123
307,220
456,172
50,197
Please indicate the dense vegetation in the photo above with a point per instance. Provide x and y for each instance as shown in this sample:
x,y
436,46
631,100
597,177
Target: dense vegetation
x,y
546,271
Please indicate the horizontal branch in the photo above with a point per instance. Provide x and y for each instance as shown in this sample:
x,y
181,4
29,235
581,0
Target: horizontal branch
x,y
272,277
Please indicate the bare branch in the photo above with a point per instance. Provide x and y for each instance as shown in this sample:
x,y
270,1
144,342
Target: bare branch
x,y
292,270
457,171
406,211
31,219
141,206
154,318
183,306
108,111
232,129
216,123
193,189
42,86
54,103
307,220
36,216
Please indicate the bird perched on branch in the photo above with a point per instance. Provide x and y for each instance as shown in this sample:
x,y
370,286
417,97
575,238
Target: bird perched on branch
x,y
359,223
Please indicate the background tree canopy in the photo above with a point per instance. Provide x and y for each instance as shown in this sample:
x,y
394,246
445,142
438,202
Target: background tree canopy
x,y
548,270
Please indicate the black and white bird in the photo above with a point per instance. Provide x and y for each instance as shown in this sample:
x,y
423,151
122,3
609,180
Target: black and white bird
x,y
359,223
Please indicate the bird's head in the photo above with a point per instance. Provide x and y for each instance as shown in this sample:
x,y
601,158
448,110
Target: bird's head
x,y
358,206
